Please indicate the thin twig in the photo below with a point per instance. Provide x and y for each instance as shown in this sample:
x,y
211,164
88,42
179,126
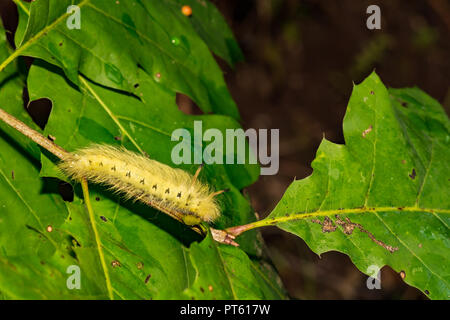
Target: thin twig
x,y
33,135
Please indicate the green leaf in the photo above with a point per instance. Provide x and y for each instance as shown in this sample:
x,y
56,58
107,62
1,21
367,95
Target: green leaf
x,y
213,29
30,253
23,9
92,113
117,39
228,272
124,250
382,198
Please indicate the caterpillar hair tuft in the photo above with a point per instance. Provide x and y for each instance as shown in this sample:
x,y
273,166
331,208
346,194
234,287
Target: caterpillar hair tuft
x,y
169,190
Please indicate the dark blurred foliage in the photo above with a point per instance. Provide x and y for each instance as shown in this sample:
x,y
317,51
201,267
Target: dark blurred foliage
x,y
301,58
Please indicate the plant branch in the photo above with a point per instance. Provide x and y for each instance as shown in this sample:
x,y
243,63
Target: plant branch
x,y
33,135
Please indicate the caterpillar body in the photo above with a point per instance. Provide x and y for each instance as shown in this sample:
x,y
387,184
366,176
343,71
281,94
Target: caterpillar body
x,y
169,190
173,191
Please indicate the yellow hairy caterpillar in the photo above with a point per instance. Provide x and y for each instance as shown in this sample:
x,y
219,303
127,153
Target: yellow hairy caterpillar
x,y
172,191
169,190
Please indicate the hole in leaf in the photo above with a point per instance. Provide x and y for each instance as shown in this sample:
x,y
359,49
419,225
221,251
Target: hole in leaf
x,y
65,190
186,105
39,110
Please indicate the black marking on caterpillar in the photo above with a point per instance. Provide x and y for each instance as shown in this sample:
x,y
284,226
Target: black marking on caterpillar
x,y
192,201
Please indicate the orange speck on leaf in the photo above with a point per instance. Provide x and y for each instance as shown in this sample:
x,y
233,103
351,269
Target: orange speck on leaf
x,y
186,10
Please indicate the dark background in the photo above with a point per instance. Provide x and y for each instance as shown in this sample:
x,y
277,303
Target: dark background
x,y
301,58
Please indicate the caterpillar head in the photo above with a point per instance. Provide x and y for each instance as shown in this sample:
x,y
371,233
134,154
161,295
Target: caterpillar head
x,y
191,220
206,210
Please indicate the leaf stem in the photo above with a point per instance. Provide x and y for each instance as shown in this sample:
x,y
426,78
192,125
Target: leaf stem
x,y
237,230
109,112
84,186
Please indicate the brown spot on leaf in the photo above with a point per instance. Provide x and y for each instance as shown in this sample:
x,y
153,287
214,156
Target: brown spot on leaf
x,y
115,263
348,226
210,288
12,174
147,278
103,218
367,131
140,265
327,224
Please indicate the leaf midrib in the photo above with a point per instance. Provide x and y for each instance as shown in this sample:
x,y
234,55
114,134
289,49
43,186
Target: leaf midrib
x,y
321,213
